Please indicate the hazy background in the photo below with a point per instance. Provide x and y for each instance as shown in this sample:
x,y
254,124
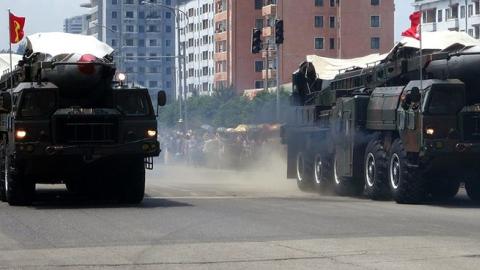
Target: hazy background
x,y
48,15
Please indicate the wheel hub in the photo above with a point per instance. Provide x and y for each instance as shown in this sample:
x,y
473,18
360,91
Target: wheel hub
x,y
395,171
318,169
300,167
370,170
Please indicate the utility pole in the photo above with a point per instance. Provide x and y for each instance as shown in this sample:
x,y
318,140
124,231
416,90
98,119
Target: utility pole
x,y
180,87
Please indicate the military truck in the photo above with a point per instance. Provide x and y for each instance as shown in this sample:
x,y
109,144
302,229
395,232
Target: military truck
x,y
379,129
68,117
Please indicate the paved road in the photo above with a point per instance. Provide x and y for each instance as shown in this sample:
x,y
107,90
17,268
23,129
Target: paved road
x,y
211,219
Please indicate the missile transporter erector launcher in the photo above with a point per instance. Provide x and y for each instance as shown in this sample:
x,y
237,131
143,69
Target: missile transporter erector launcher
x,y
65,119
377,129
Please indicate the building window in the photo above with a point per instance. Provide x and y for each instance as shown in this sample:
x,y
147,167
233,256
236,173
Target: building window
x,y
470,10
258,4
141,43
205,71
152,42
258,84
454,12
128,2
332,21
129,14
114,2
318,21
319,43
375,21
129,28
332,44
319,3
168,15
259,23
168,43
440,15
205,55
375,43
375,2
152,84
129,42
462,12
332,3
114,14
168,29
258,65
470,32
114,42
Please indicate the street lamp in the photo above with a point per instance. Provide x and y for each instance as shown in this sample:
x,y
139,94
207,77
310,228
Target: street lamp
x,y
183,94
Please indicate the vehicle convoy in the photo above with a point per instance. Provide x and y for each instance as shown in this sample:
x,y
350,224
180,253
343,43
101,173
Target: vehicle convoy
x,y
66,119
377,129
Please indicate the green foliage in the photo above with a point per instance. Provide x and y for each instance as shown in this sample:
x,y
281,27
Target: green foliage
x,y
226,109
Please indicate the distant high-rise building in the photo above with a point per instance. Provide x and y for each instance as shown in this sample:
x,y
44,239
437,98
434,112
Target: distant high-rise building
x,y
75,25
454,15
198,37
331,28
143,36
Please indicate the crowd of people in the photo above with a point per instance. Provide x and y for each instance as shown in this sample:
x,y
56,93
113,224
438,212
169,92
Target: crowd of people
x,y
220,148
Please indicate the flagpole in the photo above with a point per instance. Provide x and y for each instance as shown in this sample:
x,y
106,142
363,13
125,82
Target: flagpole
x,y
421,48
10,45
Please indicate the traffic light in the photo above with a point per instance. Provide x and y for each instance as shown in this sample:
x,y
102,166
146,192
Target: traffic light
x,y
256,40
279,31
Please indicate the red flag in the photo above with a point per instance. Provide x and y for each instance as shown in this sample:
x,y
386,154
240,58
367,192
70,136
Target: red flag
x,y
16,28
414,30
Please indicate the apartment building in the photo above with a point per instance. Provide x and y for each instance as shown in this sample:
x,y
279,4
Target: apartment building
x,y
331,28
454,15
197,35
75,25
143,36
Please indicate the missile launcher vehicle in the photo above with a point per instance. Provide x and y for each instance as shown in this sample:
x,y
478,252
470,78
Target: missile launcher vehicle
x,y
383,127
68,117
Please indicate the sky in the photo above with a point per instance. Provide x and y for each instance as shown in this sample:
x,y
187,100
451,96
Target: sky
x,y
48,15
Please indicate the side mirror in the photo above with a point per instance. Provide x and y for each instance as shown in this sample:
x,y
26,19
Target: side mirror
x,y
412,97
161,98
415,95
5,102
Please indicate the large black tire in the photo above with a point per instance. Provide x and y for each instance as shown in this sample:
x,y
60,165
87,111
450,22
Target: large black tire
x,y
3,191
376,170
304,169
20,190
321,181
346,186
473,190
406,182
132,184
441,189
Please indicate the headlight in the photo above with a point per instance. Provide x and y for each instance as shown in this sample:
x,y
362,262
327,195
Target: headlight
x,y
151,133
121,77
430,131
20,134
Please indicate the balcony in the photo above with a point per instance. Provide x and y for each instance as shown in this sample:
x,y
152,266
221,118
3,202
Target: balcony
x,y
268,31
220,56
220,76
220,36
271,73
269,10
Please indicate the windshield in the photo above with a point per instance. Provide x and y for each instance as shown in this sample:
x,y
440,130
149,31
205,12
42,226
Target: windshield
x,y
133,104
445,100
40,103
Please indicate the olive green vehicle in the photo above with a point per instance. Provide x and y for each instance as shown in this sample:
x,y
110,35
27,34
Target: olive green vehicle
x,y
68,121
379,131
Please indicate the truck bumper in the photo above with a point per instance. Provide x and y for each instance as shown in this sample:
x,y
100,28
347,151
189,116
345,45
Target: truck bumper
x,y
451,159
145,148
